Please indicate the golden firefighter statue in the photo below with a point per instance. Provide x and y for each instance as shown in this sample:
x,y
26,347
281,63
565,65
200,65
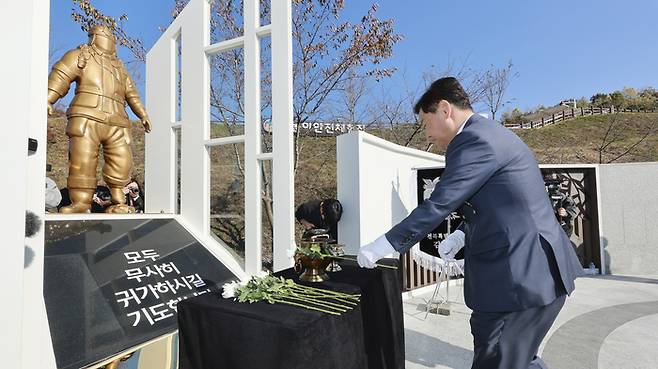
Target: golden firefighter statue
x,y
96,117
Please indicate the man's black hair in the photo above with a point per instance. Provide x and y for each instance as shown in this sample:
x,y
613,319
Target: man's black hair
x,y
322,214
448,89
332,210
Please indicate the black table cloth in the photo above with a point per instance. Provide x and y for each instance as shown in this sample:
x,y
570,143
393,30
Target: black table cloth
x,y
218,333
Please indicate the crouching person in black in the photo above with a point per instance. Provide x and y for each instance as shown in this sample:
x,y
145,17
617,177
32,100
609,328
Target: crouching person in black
x,y
323,214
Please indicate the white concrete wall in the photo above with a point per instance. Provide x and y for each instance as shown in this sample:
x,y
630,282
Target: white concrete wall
x,y
25,338
13,159
629,217
376,185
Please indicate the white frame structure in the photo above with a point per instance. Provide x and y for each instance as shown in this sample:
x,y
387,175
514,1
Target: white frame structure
x,y
25,340
192,26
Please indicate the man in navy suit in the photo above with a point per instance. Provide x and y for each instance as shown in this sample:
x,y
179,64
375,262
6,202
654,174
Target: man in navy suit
x,y
519,264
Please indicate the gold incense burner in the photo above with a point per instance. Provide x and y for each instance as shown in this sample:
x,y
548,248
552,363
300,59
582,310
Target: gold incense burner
x,y
313,256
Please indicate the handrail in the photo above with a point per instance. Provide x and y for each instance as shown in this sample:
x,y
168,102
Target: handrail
x,y
572,114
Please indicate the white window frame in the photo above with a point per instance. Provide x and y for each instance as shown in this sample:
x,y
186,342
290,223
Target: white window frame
x,y
193,26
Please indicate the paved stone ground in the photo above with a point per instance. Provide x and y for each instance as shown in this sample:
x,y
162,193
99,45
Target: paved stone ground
x,y
609,322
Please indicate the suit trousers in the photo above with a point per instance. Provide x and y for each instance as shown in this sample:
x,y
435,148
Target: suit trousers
x,y
510,340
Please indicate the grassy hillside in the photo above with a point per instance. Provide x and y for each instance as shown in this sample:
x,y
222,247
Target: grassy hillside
x,y
580,140
574,141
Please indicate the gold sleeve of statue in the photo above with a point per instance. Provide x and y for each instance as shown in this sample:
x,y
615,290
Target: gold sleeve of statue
x,y
64,72
133,100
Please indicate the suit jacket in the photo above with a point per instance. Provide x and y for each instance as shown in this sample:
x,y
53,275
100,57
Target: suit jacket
x,y
516,255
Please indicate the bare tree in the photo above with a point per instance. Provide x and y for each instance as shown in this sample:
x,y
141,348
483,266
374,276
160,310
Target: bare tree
x,y
397,110
494,87
56,49
87,16
392,108
328,53
613,137
474,81
392,112
352,96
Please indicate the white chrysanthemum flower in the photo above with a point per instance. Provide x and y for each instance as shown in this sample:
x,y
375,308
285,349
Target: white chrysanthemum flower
x,y
229,290
262,274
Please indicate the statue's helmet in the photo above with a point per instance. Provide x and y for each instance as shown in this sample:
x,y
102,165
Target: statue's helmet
x,y
102,37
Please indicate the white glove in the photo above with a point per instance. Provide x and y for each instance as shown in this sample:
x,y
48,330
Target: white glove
x,y
370,253
449,247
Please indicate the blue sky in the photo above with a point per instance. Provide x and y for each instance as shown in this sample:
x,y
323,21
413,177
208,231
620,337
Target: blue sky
x,y
559,48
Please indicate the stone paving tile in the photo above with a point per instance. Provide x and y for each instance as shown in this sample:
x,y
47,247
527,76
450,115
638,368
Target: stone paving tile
x,y
609,319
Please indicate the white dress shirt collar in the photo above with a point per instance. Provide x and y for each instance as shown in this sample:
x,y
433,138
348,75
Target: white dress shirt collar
x,y
461,127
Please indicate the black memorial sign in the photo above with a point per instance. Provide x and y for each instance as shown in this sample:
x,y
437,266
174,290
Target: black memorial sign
x,y
427,179
110,285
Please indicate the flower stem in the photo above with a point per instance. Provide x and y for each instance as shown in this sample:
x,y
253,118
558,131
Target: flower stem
x,y
331,304
323,291
305,307
315,303
317,295
354,259
343,297
338,298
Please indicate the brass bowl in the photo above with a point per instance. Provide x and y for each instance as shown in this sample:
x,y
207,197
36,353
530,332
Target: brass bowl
x,y
314,269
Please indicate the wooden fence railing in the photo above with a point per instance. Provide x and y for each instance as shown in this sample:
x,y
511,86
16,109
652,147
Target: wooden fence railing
x,y
571,114
413,275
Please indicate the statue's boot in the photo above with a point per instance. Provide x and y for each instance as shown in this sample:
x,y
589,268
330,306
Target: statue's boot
x,y
120,209
80,201
116,364
118,202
